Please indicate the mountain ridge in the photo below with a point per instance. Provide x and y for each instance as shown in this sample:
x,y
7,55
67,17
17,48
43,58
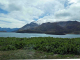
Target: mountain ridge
x,y
8,29
58,28
27,26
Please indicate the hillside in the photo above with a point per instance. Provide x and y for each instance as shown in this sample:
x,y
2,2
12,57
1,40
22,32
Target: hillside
x,y
28,26
71,26
58,28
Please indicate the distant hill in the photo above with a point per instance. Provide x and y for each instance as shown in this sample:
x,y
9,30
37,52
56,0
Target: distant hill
x,y
2,31
28,26
8,29
58,28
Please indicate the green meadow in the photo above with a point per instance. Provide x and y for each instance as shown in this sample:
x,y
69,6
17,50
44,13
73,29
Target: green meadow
x,y
39,48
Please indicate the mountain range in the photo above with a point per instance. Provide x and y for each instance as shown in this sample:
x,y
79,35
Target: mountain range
x,y
8,29
58,28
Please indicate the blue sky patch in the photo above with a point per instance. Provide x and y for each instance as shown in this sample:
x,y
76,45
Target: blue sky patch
x,y
41,16
3,11
66,3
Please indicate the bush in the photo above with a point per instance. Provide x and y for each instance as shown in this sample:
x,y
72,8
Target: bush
x,y
8,47
19,45
47,44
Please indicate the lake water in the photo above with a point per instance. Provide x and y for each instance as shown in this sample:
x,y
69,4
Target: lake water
x,y
28,35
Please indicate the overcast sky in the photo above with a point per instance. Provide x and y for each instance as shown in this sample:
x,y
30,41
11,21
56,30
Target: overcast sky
x,y
17,13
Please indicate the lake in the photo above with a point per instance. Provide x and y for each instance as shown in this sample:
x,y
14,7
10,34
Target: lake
x,y
28,35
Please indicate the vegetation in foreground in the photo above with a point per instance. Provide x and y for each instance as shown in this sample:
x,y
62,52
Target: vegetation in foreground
x,y
39,47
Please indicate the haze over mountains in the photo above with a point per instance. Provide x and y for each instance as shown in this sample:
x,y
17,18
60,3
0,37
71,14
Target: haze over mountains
x,y
8,29
60,28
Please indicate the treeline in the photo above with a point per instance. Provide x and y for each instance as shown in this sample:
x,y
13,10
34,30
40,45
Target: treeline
x,y
46,44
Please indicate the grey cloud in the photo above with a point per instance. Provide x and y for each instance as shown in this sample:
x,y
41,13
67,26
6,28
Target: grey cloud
x,y
1,5
13,7
63,14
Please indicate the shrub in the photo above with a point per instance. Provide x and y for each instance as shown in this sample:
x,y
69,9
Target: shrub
x,y
8,47
19,45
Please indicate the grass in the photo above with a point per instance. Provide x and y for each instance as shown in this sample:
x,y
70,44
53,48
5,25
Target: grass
x,y
16,54
31,54
39,48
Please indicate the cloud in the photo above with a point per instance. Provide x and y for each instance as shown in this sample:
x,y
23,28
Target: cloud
x,y
70,12
73,1
21,12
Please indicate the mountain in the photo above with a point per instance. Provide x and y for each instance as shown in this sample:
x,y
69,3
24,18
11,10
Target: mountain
x,y
58,28
27,26
70,26
51,28
8,29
